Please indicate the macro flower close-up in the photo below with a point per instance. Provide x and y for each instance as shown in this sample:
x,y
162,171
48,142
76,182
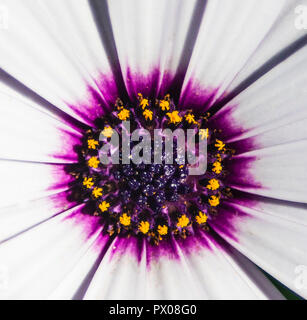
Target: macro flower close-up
x,y
95,205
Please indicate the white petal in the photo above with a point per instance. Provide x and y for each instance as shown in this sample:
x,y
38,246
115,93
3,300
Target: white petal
x,y
273,234
23,181
274,47
119,275
54,49
277,172
221,273
150,38
26,214
38,260
75,283
229,34
28,133
217,273
273,110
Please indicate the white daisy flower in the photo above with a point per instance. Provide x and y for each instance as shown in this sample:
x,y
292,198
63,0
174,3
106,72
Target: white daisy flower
x,y
72,71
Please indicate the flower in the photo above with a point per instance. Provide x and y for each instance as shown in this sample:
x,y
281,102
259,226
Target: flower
x,y
92,144
174,117
183,221
107,131
201,218
155,192
213,184
164,105
162,230
147,114
71,78
103,206
190,119
93,162
214,201
144,227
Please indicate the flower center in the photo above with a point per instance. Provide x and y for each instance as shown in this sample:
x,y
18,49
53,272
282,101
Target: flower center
x,y
151,200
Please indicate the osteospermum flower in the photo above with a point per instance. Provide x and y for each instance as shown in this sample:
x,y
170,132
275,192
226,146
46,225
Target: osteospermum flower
x,y
72,227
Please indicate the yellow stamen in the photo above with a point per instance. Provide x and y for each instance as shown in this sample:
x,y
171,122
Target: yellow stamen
x,y
201,218
203,133
162,230
147,114
93,162
219,144
218,157
214,201
107,131
174,117
124,114
217,167
183,221
144,103
213,184
97,192
164,105
104,206
190,118
125,220
144,226
88,182
92,143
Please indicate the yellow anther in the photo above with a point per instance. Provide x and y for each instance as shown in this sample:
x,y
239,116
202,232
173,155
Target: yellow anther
x,y
124,114
214,201
213,184
164,105
183,221
217,167
203,133
92,143
201,218
147,114
162,230
190,118
93,162
144,103
219,145
104,206
144,226
125,220
97,192
88,182
174,117
107,131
